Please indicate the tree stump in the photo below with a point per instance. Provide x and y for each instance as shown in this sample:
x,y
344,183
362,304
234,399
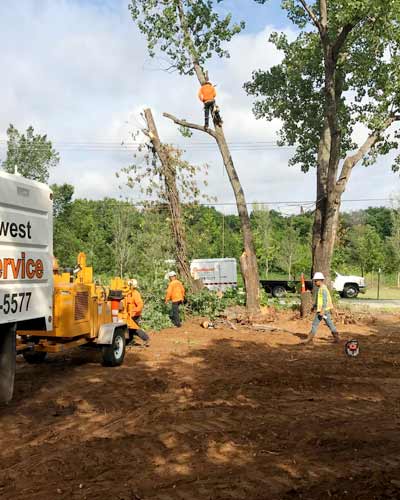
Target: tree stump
x,y
306,304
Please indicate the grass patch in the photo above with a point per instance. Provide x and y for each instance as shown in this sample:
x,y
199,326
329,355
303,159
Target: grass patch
x,y
386,293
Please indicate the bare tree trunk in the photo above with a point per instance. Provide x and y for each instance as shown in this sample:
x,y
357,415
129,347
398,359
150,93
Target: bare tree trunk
x,y
248,260
174,205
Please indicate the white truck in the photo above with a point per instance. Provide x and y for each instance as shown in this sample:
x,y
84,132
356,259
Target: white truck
x,y
26,262
216,274
349,286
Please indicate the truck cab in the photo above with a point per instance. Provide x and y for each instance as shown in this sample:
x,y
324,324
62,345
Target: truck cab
x,y
349,286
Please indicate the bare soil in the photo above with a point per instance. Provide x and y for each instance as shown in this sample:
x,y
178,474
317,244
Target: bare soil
x,y
211,414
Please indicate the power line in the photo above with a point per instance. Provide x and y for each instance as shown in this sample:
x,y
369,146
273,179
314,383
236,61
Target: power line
x,y
125,147
160,204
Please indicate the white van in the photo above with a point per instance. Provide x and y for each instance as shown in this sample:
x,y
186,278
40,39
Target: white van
x,y
216,274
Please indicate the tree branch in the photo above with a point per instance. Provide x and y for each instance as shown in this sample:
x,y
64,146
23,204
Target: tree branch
x,y
194,126
341,39
351,161
323,9
312,15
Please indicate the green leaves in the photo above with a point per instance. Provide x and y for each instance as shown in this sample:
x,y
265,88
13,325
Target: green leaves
x,y
33,155
184,30
364,38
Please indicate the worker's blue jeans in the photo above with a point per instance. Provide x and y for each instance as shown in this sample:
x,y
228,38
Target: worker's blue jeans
x,y
139,333
329,323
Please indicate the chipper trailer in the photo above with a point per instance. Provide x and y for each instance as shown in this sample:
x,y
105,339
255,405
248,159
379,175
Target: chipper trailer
x,y
41,310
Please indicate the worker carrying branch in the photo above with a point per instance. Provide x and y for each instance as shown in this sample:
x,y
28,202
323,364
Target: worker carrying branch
x,y
207,95
323,306
134,305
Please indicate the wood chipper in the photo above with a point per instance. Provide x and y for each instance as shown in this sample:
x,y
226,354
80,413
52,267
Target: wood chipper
x,y
41,310
83,313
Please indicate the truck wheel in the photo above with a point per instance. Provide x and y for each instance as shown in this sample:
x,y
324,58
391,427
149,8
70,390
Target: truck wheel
x,y
34,357
114,354
278,292
350,291
7,362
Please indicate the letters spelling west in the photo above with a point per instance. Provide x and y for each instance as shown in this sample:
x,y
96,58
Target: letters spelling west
x,y
16,230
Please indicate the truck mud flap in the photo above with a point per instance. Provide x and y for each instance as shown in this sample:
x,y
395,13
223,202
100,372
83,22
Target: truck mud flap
x,y
7,362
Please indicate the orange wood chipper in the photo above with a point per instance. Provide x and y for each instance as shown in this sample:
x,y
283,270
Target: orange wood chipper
x,y
83,313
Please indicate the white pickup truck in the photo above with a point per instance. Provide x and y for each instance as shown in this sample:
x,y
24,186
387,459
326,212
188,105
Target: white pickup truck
x,y
26,254
349,286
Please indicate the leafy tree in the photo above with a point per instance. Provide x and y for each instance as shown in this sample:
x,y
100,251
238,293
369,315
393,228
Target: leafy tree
x,y
62,198
166,177
381,218
266,247
342,69
31,154
393,241
290,248
368,249
123,247
189,33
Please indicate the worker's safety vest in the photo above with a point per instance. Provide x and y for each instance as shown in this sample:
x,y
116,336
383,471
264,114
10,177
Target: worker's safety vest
x,y
320,299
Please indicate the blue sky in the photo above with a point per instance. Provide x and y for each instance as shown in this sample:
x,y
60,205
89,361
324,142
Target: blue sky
x,y
78,70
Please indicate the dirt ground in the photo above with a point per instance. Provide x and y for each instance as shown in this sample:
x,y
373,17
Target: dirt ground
x,y
210,414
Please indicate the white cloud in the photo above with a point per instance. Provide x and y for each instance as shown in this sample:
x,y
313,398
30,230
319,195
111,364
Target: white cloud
x,y
79,71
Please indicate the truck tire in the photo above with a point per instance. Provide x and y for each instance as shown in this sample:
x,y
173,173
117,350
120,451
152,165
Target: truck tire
x,y
7,362
34,357
350,292
114,354
278,291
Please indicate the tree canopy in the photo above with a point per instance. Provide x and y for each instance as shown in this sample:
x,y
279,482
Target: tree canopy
x,y
161,22
32,154
366,44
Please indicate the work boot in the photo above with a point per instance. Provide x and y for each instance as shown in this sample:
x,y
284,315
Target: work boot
x,y
309,340
336,338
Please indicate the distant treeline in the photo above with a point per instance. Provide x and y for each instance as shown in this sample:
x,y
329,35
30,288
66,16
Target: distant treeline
x,y
121,239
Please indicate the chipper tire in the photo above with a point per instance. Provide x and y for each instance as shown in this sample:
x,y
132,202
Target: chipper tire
x,y
7,362
34,357
114,354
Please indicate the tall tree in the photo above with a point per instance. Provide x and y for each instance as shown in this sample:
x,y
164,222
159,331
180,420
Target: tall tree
x,y
123,244
368,250
169,159
189,33
162,174
31,154
342,69
266,247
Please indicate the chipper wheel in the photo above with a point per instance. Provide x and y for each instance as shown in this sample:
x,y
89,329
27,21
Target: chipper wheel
x,y
114,354
7,362
34,357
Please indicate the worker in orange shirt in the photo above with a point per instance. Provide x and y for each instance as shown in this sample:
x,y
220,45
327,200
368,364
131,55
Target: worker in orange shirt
x,y
176,295
207,95
134,305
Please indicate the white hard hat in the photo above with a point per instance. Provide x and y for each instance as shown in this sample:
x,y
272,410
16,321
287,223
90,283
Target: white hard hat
x,y
318,276
171,274
133,283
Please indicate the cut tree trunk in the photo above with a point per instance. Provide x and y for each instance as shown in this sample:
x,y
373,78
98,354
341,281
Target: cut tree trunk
x,y
174,205
248,260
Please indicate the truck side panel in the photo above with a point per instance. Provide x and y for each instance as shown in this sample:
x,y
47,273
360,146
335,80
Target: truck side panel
x,y
26,250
